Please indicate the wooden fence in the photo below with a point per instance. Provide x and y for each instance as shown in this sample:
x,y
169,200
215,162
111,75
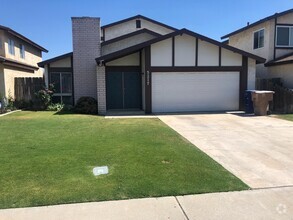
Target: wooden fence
x,y
25,88
283,97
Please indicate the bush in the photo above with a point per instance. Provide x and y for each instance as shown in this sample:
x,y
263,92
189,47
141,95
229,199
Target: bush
x,y
86,105
55,107
43,98
22,104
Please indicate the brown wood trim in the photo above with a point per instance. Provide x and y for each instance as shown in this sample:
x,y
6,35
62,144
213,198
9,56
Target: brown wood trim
x,y
220,56
275,37
196,52
73,95
148,81
173,51
196,69
283,48
279,63
243,82
61,69
43,63
138,47
123,69
122,37
283,24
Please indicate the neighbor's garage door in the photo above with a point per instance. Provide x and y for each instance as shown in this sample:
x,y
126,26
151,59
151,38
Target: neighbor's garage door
x,y
200,91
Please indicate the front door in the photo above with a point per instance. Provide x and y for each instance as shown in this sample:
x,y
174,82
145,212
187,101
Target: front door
x,y
123,90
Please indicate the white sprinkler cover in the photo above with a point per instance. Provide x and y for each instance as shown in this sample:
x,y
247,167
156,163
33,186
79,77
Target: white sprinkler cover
x,y
100,170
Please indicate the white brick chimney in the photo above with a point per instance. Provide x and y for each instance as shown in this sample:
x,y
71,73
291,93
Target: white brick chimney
x,y
86,47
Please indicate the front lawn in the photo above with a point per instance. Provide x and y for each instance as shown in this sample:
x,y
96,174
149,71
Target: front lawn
x,y
288,117
48,158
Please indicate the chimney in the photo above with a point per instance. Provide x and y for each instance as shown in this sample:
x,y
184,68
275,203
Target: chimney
x,y
86,47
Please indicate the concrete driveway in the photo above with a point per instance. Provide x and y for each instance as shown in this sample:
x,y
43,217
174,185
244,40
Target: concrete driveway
x,y
258,150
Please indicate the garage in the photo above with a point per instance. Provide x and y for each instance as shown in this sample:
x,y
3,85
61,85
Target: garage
x,y
195,91
186,72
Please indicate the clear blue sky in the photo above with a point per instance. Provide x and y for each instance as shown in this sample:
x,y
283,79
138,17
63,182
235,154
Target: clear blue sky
x,y
48,22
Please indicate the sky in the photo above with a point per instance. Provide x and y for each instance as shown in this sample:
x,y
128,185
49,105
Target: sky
x,y
48,22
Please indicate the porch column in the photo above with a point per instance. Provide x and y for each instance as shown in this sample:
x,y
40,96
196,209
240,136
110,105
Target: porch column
x,y
101,89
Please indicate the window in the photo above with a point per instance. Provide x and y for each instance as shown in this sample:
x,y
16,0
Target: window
x,y
11,46
0,43
284,36
258,39
21,51
62,87
138,24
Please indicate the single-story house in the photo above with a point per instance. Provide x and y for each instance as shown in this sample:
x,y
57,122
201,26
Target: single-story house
x,y
142,64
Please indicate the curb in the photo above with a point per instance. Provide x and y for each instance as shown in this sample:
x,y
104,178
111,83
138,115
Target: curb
x,y
8,113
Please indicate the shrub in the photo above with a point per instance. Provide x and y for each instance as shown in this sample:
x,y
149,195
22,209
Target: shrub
x,y
86,105
55,107
43,98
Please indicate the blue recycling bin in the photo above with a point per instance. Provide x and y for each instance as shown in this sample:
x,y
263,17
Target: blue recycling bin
x,y
248,102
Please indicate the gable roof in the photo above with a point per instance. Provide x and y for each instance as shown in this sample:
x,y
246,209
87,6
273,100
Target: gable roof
x,y
122,37
138,17
43,63
276,15
135,48
286,59
18,35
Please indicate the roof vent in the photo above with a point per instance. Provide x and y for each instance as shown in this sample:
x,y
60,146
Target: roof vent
x,y
247,23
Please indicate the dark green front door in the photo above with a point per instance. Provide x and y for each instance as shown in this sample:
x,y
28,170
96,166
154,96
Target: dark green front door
x,y
123,90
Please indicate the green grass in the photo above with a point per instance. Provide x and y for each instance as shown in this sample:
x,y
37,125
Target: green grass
x,y
48,158
288,117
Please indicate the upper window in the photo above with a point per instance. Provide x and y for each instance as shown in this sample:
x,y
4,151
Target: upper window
x,y
0,43
138,24
284,36
258,37
11,47
21,51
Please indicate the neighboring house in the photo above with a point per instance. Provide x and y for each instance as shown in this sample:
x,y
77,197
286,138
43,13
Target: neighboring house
x,y
271,38
18,58
141,64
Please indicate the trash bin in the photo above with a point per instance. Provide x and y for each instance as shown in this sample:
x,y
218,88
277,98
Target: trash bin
x,y
261,101
248,102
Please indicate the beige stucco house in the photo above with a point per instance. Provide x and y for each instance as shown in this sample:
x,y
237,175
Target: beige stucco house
x,y
141,64
18,58
271,38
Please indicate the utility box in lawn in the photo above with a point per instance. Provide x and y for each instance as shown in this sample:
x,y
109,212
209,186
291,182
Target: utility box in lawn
x,y
261,101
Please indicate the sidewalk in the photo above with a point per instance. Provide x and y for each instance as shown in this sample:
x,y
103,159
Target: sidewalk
x,y
274,203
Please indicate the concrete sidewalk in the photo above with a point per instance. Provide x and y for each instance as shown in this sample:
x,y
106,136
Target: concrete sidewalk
x,y
274,203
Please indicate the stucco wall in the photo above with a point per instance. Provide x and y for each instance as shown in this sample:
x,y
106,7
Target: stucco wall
x,y
32,55
229,58
10,73
161,53
2,51
283,71
185,50
2,85
131,41
130,60
244,40
130,26
251,74
66,62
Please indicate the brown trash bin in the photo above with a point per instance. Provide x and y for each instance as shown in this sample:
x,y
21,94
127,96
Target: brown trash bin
x,y
261,101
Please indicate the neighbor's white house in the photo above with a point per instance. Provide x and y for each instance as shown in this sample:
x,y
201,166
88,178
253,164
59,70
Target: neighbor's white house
x,y
271,38
142,64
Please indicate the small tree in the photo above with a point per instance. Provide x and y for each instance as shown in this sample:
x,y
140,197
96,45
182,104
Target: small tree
x,y
43,97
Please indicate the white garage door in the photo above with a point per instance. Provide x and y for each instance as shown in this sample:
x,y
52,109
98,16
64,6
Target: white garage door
x,y
200,91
